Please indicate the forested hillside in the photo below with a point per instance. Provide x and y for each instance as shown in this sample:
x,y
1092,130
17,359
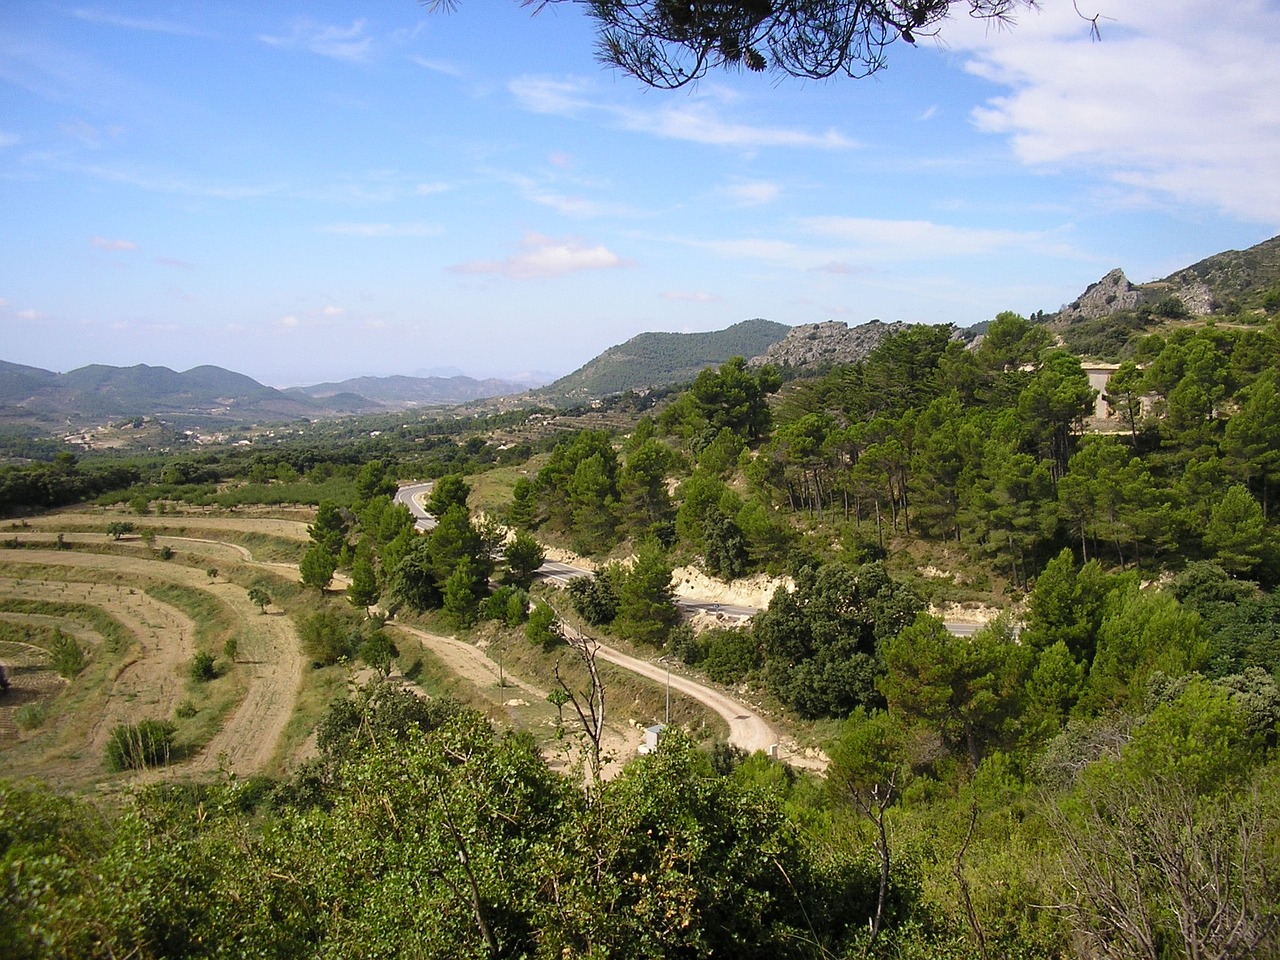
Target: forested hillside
x,y
1094,773
662,359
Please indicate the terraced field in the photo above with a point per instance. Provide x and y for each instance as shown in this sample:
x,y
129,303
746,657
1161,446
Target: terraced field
x,y
142,606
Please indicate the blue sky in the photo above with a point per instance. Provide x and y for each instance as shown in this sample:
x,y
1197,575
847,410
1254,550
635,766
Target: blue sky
x,y
312,191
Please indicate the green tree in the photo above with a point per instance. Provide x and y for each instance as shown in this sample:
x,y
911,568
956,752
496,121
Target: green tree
x,y
458,596
317,567
449,491
646,607
869,771
1054,406
329,528
329,637
524,555
966,688
379,652
1237,532
543,629
592,493
372,481
412,580
669,46
1141,632
1124,394
259,598
1252,439
363,589
118,528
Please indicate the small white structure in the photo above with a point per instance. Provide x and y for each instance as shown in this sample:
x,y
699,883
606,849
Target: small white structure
x,y
651,737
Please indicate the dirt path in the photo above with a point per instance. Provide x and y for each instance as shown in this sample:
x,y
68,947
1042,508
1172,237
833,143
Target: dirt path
x,y
747,729
285,529
271,658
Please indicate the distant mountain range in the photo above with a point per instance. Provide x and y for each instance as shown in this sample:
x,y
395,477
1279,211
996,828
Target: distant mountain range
x,y
212,396
1240,284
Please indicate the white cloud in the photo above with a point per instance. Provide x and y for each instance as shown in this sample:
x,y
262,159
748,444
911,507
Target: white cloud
x,y
847,245
289,322
542,256
107,243
333,310
689,296
697,120
914,239
9,139
572,206
340,43
30,314
1179,98
163,182
382,229
149,25
428,189
438,66
753,193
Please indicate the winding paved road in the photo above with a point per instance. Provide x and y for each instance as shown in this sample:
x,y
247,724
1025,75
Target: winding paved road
x,y
412,495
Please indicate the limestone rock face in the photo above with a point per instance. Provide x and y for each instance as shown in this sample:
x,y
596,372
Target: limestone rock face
x,y
1112,293
826,344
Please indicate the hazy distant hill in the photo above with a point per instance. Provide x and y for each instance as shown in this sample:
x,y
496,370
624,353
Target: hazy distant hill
x,y
661,359
211,395
98,391
414,391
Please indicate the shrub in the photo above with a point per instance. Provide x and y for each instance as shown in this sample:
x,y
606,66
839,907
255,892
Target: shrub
x,y
730,655
31,715
66,655
136,746
203,668
328,638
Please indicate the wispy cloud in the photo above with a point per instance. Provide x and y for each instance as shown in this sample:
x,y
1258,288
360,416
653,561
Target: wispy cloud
x,y
175,263
753,193
114,245
1196,121
9,139
150,25
891,239
333,310
382,229
166,182
573,206
696,121
541,256
87,133
351,44
847,245
438,66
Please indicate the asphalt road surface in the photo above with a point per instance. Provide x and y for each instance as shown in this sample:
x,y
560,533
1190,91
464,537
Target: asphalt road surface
x,y
412,496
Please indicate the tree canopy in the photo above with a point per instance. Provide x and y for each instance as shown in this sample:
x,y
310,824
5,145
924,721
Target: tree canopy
x,y
669,44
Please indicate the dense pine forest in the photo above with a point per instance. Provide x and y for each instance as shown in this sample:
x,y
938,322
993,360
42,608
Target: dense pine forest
x,y
1091,774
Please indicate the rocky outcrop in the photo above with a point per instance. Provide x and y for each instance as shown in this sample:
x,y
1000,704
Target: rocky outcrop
x,y
827,344
1109,295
